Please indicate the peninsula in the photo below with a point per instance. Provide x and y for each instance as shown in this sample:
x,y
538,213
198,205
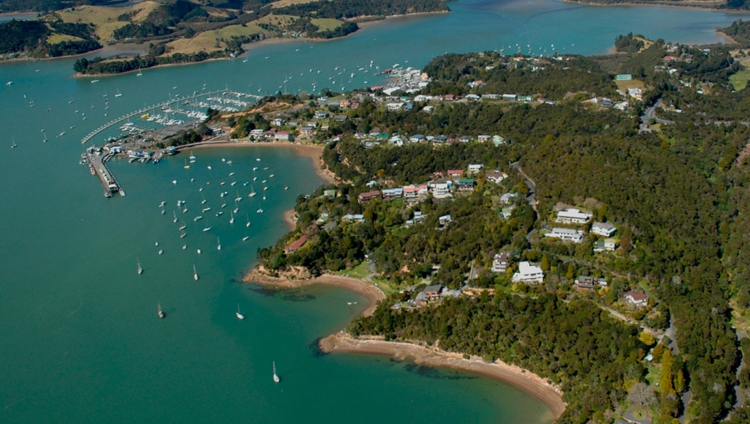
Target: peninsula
x,y
183,31
581,218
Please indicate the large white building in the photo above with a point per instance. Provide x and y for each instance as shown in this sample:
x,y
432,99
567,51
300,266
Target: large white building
x,y
566,234
573,216
528,273
604,229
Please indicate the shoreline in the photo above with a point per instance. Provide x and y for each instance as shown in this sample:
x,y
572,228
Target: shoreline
x,y
372,293
290,219
665,4
515,376
312,151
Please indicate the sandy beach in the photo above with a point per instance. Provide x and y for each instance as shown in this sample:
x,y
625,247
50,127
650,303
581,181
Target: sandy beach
x,y
314,152
372,293
434,357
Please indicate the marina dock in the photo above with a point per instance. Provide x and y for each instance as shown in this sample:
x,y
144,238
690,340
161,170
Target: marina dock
x,y
98,165
139,112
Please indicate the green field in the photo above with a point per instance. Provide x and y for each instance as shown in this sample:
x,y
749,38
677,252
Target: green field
x,y
59,38
739,80
326,24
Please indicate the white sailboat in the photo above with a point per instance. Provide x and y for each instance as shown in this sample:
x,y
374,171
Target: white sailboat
x,y
247,224
14,145
276,378
195,273
118,93
218,245
252,191
239,315
140,270
231,220
174,214
161,313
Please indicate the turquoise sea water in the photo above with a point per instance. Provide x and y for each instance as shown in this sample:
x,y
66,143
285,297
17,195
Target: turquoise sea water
x,y
79,336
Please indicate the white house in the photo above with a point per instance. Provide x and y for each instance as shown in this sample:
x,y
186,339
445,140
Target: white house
x,y
573,216
441,190
474,168
528,273
445,220
608,245
566,234
637,300
604,229
394,106
500,262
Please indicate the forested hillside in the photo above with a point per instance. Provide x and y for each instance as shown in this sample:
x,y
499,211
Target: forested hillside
x,y
678,196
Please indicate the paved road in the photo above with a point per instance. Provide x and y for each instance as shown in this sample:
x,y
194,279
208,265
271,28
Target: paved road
x,y
531,198
648,115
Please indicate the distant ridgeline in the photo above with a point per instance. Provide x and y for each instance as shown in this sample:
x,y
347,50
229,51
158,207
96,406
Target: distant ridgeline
x,y
47,5
165,25
707,4
33,38
678,196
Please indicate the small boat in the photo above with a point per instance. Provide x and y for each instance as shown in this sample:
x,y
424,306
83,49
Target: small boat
x,y
161,251
239,315
174,182
184,246
160,313
163,212
218,246
257,159
265,188
207,229
276,378
265,169
231,220
199,251
14,145
185,210
195,272
156,243
94,81
220,213
248,220
186,166
271,176
223,205
259,211
206,209
197,218
162,204
286,188
231,174
245,238
118,93
183,235
175,216
209,167
182,228
192,156
140,270
236,210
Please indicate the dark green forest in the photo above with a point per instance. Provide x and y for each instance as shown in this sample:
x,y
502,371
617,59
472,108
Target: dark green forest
x,y
679,197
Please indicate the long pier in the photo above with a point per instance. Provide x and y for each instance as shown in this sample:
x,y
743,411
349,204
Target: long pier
x,y
99,165
91,135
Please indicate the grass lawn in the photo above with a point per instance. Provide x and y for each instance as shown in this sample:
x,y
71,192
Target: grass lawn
x,y
653,375
739,80
284,3
326,24
59,38
624,85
